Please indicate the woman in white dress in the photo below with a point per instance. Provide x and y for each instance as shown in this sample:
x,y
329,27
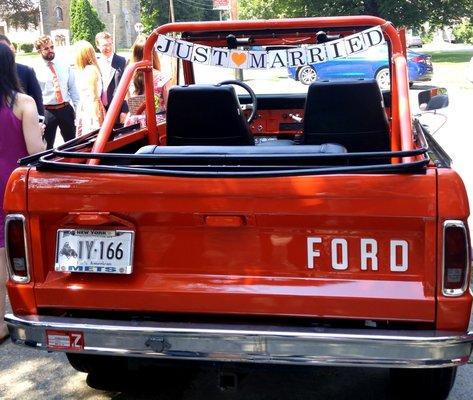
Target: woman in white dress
x,y
90,112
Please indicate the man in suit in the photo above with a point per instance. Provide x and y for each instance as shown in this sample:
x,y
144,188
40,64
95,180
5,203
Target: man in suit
x,y
28,79
111,67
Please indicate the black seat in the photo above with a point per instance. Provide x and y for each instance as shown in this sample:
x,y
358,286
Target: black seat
x,y
205,115
350,113
326,148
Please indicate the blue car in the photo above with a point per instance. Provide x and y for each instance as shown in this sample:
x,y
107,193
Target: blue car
x,y
369,64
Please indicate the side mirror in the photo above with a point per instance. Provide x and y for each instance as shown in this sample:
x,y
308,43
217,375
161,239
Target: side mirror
x,y
433,99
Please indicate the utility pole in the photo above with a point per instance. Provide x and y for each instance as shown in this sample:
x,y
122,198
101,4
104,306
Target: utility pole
x,y
233,17
114,31
233,10
171,9
41,22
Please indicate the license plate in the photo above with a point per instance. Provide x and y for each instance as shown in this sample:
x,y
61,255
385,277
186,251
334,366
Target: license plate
x,y
94,251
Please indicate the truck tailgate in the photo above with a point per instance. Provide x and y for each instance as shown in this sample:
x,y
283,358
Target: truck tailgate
x,y
332,246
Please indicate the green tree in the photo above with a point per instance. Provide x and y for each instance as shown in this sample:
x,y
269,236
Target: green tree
x,y
73,17
19,13
411,13
156,12
150,12
464,32
85,21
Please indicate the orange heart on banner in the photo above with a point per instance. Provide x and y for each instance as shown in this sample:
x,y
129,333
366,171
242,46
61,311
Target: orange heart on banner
x,y
238,58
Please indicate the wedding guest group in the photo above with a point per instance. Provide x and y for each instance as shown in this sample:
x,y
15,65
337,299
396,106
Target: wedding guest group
x,y
74,96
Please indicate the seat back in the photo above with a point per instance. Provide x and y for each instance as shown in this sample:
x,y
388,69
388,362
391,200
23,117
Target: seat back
x,y
350,113
206,115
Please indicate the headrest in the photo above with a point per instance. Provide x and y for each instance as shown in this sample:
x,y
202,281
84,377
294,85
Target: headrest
x,y
206,115
345,106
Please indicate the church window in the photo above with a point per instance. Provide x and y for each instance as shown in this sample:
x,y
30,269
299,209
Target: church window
x,y
59,16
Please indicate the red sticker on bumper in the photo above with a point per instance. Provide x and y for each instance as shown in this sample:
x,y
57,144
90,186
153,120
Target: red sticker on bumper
x,y
62,340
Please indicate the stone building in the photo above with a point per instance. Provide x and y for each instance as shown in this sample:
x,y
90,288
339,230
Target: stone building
x,y
119,14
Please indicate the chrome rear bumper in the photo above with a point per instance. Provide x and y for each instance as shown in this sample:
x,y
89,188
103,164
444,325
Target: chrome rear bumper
x,y
249,343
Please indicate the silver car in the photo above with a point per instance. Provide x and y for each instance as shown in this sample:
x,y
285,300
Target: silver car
x,y
414,41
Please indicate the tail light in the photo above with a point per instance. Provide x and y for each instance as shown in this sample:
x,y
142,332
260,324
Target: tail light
x,y
16,248
418,59
456,258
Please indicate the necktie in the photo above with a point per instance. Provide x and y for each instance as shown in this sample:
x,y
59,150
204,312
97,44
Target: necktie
x,y
56,85
104,98
106,70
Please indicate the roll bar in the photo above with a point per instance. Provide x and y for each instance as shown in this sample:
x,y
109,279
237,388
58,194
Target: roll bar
x,y
402,136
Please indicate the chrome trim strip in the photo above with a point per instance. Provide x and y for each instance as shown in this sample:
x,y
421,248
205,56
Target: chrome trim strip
x,y
462,290
13,277
249,343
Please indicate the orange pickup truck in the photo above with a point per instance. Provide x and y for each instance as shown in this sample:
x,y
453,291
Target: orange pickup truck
x,y
271,223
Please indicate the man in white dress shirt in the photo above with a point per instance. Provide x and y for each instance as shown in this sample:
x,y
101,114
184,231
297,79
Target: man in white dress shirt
x,y
111,67
57,83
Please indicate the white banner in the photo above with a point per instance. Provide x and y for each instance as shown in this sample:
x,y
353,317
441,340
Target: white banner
x,y
259,59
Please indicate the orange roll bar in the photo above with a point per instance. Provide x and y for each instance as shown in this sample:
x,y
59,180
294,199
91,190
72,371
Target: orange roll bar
x,y
116,106
401,126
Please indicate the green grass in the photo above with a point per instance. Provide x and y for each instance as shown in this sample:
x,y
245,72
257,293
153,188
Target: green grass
x,y
451,75
450,68
32,54
26,58
455,56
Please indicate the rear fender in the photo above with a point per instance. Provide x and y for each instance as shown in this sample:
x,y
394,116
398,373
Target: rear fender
x,y
453,313
15,202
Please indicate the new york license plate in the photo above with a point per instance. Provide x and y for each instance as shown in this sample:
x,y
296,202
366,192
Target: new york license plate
x,y
94,251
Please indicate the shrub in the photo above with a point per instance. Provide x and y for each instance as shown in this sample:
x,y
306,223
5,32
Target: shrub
x,y
464,32
427,35
26,47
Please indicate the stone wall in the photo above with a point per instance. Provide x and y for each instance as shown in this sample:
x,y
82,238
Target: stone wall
x,y
54,15
127,14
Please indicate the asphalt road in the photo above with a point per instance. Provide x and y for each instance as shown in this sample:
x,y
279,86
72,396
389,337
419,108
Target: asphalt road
x,y
29,374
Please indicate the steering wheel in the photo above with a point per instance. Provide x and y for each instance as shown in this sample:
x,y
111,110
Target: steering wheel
x,y
254,101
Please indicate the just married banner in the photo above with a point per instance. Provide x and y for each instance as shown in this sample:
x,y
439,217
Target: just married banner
x,y
260,59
